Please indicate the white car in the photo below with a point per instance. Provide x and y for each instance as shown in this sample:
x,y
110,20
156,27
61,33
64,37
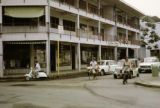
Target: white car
x,y
146,66
133,70
105,67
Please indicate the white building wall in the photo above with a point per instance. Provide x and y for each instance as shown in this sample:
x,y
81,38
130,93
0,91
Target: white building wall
x,y
109,33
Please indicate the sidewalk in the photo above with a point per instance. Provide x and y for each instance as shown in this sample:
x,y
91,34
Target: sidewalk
x,y
51,76
149,81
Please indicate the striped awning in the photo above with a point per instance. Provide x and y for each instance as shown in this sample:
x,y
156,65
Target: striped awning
x,y
25,42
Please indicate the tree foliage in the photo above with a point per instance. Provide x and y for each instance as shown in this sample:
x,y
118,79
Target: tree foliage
x,y
149,31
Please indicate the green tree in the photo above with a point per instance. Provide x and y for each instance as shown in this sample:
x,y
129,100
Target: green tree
x,y
149,33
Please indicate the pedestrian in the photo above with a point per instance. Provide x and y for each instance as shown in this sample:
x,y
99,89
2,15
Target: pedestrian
x,y
93,65
126,70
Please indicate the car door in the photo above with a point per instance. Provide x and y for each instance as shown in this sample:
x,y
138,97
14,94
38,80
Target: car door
x,y
113,65
106,67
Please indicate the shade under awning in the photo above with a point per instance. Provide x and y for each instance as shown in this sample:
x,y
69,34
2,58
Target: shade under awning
x,y
24,12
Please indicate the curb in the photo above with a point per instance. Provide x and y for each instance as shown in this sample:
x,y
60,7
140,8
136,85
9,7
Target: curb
x,y
147,84
50,77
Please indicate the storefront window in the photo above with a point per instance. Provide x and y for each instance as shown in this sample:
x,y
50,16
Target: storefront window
x,y
16,56
107,53
40,55
65,55
87,54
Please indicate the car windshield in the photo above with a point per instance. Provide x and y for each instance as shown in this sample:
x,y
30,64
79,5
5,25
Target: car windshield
x,y
150,60
101,63
120,63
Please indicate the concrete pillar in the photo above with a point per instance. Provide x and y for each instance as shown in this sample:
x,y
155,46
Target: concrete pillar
x,y
87,6
61,21
99,52
126,19
1,47
78,26
136,53
47,10
48,56
1,59
115,53
1,16
126,52
126,36
99,30
32,55
77,4
79,56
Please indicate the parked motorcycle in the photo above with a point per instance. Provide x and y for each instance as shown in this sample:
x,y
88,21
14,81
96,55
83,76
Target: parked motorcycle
x,y
35,75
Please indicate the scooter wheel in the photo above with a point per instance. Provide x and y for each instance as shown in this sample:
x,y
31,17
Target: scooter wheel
x,y
27,78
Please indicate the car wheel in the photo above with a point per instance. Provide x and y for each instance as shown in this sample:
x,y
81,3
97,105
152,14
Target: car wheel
x,y
139,70
115,76
102,72
138,75
27,78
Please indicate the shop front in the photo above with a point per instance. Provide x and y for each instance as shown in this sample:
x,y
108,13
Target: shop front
x,y
66,58
87,53
18,57
107,53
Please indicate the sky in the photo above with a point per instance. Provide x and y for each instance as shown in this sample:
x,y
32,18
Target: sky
x,y
148,7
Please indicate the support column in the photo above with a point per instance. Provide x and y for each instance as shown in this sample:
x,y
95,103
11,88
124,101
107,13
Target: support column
x,y
136,54
1,47
79,56
77,4
1,16
1,59
126,37
78,26
47,10
32,54
99,52
126,52
115,54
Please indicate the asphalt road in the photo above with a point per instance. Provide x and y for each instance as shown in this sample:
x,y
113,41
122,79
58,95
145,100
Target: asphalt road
x,y
105,92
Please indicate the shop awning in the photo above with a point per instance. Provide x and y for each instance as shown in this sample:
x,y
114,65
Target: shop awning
x,y
25,42
24,12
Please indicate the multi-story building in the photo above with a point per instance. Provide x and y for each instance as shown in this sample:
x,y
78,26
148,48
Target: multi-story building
x,y
65,34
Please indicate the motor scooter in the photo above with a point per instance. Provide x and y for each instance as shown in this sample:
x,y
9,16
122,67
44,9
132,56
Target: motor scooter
x,y
37,75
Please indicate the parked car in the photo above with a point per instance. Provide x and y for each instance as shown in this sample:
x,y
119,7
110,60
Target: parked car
x,y
133,70
105,67
146,65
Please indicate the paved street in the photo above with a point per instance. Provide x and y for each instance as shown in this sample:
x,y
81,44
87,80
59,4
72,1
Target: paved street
x,y
105,92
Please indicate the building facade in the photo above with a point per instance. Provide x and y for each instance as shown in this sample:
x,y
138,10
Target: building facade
x,y
65,34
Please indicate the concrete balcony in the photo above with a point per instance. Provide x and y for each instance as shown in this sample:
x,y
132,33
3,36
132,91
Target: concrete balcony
x,y
24,29
23,2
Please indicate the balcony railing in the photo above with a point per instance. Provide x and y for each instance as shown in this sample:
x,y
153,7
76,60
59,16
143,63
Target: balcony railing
x,y
23,29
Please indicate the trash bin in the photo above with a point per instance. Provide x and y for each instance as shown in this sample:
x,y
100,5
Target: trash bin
x,y
155,71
